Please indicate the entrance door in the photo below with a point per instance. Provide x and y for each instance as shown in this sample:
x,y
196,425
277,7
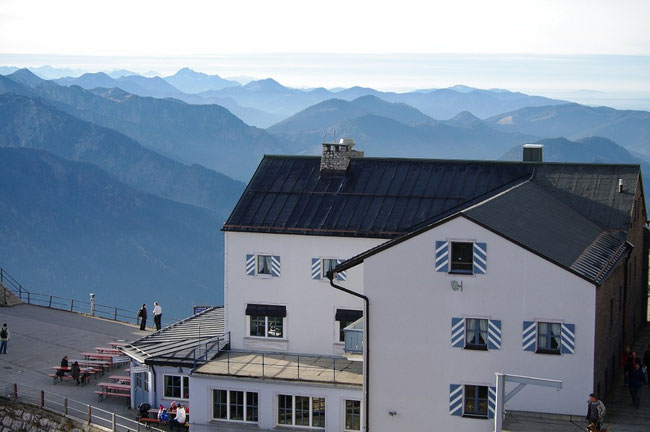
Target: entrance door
x,y
141,388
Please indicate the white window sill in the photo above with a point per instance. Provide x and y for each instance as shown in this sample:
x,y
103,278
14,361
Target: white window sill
x,y
254,342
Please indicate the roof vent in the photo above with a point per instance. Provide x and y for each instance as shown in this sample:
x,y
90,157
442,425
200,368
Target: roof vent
x,y
336,156
533,152
620,185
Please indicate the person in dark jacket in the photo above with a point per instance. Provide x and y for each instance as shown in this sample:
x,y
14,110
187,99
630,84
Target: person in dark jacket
x,y
75,371
142,314
595,412
636,380
64,367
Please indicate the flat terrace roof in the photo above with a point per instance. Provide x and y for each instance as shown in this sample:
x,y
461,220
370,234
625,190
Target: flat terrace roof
x,y
285,367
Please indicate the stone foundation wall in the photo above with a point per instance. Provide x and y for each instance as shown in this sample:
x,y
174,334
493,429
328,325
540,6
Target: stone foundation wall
x,y
19,417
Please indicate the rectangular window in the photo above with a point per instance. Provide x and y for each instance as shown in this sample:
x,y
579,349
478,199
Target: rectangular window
x,y
548,337
476,401
352,415
476,333
176,387
234,405
462,257
304,411
264,264
345,317
266,326
327,264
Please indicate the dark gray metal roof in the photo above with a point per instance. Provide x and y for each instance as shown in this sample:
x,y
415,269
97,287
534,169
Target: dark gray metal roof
x,y
181,343
539,220
380,198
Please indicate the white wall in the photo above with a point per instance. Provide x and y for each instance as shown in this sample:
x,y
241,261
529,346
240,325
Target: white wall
x,y
160,371
311,304
412,362
201,387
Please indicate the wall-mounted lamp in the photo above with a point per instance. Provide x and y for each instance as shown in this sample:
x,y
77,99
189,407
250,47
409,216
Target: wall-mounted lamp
x,y
455,285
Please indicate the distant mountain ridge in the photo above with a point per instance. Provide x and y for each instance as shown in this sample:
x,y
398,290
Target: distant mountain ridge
x,y
68,228
205,134
189,81
33,123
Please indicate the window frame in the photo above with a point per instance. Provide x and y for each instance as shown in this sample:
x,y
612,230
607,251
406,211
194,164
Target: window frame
x,y
477,332
293,408
346,412
245,406
476,399
184,388
323,271
266,257
267,327
451,269
539,349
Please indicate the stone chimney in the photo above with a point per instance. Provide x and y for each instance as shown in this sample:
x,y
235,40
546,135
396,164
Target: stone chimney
x,y
336,156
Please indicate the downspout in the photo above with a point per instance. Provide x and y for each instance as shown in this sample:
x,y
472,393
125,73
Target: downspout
x,y
366,342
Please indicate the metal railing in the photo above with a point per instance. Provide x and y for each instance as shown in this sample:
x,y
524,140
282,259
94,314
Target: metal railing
x,y
306,367
207,350
71,305
82,412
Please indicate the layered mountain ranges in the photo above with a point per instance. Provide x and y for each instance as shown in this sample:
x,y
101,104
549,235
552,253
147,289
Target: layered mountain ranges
x,y
175,159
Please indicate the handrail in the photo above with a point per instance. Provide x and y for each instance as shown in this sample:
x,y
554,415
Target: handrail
x,y
70,408
72,305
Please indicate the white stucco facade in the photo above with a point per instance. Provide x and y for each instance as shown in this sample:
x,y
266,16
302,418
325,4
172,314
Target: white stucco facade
x,y
311,305
412,362
202,387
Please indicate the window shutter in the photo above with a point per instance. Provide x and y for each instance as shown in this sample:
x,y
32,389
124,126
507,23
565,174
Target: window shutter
x,y
494,334
341,276
458,332
250,264
480,258
456,399
529,336
568,338
442,256
492,401
316,268
275,266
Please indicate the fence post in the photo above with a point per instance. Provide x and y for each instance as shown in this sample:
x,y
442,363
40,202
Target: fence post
x,y
228,362
65,406
29,300
15,391
42,399
92,304
262,364
1,276
71,305
20,293
334,369
115,314
298,367
50,305
113,422
89,415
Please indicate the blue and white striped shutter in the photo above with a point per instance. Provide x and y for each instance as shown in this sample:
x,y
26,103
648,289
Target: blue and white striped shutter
x,y
250,264
458,332
494,334
568,339
316,268
480,258
492,401
442,256
456,399
529,336
275,266
341,276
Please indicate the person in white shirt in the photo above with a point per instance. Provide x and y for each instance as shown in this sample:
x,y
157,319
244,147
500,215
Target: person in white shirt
x,y
157,314
180,418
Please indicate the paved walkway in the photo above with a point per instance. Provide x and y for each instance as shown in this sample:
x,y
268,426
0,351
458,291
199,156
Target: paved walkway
x,y
40,337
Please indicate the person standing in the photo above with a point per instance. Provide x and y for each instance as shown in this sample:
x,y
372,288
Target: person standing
x,y
595,411
142,314
75,371
636,380
157,315
4,338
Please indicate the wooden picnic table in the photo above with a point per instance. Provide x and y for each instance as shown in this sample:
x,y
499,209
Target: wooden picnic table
x,y
120,378
92,363
117,344
98,356
115,386
107,350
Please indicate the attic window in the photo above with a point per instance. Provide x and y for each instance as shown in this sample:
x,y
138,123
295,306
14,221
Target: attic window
x,y
462,255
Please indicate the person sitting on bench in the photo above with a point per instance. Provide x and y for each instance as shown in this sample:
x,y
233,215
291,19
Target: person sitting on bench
x,y
180,418
64,367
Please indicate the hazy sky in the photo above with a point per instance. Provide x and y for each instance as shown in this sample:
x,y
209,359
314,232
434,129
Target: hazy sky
x,y
190,27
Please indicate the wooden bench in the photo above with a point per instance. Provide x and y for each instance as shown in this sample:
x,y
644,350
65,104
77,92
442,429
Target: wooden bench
x,y
106,350
105,394
120,378
59,378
